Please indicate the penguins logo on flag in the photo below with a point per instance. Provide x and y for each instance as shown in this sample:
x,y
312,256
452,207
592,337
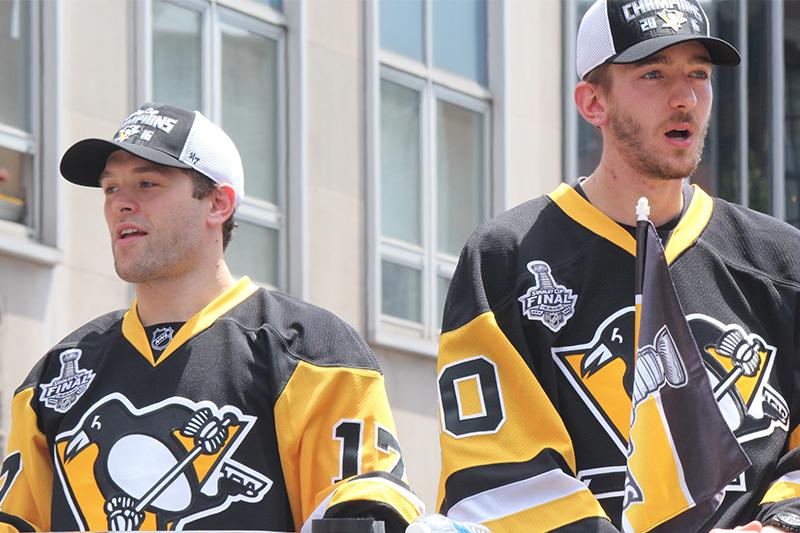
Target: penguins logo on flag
x,y
160,467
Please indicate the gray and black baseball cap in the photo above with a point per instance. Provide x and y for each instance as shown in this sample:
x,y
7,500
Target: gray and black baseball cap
x,y
164,134
626,31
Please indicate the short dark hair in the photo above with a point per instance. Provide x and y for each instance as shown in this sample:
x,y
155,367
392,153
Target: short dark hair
x,y
203,186
600,76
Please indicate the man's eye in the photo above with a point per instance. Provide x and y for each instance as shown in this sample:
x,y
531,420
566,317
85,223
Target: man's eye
x,y
652,75
109,189
700,75
146,184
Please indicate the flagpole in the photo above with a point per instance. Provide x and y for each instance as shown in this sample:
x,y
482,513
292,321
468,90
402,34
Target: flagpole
x,y
642,220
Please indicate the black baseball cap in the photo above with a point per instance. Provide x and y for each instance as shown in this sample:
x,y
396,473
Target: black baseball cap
x,y
626,31
165,134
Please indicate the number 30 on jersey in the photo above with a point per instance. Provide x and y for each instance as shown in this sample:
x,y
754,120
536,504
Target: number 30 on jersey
x,y
471,401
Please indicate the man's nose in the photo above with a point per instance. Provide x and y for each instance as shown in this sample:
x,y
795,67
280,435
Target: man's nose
x,y
683,95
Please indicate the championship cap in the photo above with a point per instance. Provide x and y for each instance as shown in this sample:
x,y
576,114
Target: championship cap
x,y
164,134
625,31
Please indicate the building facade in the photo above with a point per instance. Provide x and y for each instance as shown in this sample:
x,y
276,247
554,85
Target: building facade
x,y
375,134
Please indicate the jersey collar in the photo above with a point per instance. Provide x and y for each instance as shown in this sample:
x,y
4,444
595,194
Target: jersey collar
x,y
133,330
685,234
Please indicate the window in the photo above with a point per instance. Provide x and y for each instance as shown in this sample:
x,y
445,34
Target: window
x,y
754,136
28,201
230,65
431,168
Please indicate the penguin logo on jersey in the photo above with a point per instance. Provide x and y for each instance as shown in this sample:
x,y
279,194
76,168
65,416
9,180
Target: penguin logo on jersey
x,y
738,363
547,301
160,467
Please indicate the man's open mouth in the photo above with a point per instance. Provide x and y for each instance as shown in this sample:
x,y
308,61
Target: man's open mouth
x,y
680,135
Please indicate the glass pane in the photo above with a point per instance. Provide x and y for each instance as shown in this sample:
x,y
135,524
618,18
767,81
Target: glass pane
x,y
274,4
460,175
442,284
758,106
12,185
400,163
177,48
250,107
254,251
15,64
459,37
719,169
401,291
791,12
401,27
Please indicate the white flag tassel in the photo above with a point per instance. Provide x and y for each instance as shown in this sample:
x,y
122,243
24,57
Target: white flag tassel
x,y
681,452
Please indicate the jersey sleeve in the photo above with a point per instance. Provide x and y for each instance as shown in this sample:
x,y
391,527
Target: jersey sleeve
x,y
339,449
507,458
783,493
26,476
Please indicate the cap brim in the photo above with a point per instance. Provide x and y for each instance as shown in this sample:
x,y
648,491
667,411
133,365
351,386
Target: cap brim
x,y
85,160
721,52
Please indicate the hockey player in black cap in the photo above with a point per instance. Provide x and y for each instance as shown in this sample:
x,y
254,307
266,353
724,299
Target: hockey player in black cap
x,y
538,337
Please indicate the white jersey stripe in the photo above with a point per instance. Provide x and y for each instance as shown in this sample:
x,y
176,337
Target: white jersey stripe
x,y
515,497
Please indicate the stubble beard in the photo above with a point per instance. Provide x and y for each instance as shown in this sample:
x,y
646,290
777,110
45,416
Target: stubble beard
x,y
162,259
647,162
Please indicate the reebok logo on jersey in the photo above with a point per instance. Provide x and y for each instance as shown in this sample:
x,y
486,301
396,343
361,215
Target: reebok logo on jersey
x,y
547,301
161,338
62,393
156,468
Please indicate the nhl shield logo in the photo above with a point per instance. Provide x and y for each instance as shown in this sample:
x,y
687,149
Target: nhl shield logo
x,y
62,393
161,338
547,301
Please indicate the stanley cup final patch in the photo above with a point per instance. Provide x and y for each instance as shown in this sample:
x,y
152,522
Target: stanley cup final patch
x,y
65,389
548,302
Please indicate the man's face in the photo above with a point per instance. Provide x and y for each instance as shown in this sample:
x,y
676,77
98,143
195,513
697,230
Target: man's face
x,y
659,111
156,224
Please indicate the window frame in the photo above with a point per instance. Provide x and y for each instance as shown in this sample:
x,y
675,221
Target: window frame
x,y
288,216
433,84
40,238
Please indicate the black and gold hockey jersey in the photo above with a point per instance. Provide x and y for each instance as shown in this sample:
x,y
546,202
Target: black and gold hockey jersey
x,y
263,412
537,349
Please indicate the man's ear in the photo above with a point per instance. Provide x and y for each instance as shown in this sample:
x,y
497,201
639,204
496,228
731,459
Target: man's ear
x,y
223,204
592,103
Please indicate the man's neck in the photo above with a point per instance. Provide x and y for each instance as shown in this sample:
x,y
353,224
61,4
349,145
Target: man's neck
x,y
179,298
616,193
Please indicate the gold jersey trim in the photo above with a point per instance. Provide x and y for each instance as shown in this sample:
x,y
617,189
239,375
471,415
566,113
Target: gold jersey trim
x,y
133,330
685,234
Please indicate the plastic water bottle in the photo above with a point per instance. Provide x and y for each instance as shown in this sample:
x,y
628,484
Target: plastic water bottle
x,y
436,523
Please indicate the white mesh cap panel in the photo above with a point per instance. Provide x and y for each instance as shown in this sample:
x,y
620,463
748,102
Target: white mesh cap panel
x,y
210,151
595,43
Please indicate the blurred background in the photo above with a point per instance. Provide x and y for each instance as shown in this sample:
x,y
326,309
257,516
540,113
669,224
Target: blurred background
x,y
376,134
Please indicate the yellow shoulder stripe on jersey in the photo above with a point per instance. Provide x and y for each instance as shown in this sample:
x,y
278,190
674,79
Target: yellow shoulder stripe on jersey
x,y
516,439
30,496
578,209
685,234
133,330
692,224
783,488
